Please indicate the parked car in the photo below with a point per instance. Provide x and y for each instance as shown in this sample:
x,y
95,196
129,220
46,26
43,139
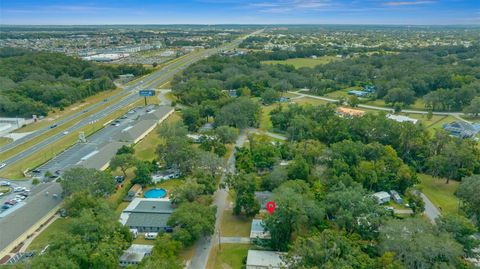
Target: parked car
x,y
21,197
11,202
6,206
19,189
18,200
151,236
53,126
119,179
2,165
5,183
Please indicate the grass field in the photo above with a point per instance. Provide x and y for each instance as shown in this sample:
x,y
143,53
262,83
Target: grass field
x,y
229,256
265,123
440,193
44,238
5,140
418,105
304,62
234,225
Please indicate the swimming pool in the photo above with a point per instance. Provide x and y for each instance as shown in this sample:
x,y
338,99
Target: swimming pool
x,y
155,193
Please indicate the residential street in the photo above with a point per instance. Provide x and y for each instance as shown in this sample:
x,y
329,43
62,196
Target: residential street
x,y
431,211
205,245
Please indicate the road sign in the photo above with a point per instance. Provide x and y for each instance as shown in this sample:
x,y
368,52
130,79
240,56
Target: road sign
x,y
146,93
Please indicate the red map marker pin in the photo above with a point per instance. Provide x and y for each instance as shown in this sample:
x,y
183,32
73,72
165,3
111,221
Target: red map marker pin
x,y
270,207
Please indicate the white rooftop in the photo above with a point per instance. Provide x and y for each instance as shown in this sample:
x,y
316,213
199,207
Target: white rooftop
x,y
401,118
267,259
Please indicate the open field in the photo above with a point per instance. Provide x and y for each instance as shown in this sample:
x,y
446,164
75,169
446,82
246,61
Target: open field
x,y
229,256
418,105
145,149
342,93
265,123
236,226
304,62
5,140
44,238
440,193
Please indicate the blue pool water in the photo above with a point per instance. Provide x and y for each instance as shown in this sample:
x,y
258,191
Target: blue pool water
x,y
155,193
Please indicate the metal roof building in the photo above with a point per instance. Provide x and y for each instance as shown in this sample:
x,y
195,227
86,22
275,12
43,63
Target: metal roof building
x,y
147,214
135,254
259,259
257,231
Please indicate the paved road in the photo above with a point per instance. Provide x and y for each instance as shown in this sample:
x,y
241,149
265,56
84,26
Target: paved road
x,y
431,211
16,223
19,221
454,114
153,80
205,245
234,240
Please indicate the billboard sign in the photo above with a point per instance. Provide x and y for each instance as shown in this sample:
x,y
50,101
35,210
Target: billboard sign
x,y
146,93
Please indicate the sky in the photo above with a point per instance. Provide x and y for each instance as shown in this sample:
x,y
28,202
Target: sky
x,y
88,12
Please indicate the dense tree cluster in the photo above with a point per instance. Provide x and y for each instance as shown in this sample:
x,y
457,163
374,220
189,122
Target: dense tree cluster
x,y
446,77
439,155
36,82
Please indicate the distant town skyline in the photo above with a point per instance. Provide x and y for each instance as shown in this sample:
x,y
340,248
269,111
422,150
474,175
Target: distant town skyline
x,y
409,12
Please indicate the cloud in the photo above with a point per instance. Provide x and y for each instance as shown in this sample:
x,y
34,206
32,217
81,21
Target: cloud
x,y
407,3
283,6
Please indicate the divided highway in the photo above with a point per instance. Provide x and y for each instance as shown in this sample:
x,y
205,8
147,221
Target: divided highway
x,y
152,80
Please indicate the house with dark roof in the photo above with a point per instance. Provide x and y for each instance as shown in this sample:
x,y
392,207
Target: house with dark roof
x,y
147,214
462,129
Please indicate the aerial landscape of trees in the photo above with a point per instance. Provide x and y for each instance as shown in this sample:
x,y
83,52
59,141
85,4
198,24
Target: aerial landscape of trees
x,y
33,83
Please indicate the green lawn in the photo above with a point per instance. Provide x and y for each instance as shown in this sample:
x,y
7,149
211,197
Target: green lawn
x,y
228,256
265,123
235,225
440,193
4,141
145,149
309,100
45,237
418,105
304,62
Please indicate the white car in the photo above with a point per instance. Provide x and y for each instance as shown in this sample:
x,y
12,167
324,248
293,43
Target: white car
x,y
151,236
5,183
18,189
18,200
2,165
21,197
65,133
